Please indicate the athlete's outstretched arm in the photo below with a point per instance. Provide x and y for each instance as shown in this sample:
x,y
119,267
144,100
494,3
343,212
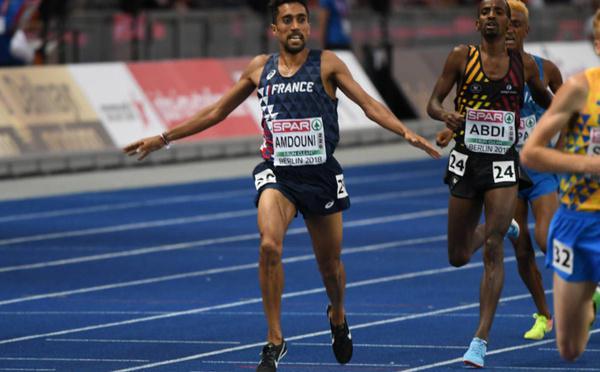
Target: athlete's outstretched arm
x,y
205,118
564,110
450,76
337,72
539,92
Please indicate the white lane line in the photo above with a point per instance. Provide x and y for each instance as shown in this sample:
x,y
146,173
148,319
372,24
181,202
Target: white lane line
x,y
357,180
93,360
235,268
128,205
399,194
349,365
384,346
587,350
136,252
192,198
130,226
256,313
205,242
490,352
194,219
528,368
255,300
134,341
320,333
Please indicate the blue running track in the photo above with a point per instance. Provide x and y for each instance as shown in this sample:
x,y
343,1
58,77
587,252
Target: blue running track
x,y
165,279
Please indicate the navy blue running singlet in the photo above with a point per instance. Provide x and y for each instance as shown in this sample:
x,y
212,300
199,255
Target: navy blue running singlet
x,y
300,121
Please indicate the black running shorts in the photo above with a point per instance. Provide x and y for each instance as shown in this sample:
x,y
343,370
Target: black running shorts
x,y
313,189
469,174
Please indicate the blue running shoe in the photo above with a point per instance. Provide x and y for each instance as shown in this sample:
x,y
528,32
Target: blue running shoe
x,y
476,353
513,230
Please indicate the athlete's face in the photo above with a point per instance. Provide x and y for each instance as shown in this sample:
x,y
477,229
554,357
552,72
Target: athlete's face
x,y
493,18
518,30
292,27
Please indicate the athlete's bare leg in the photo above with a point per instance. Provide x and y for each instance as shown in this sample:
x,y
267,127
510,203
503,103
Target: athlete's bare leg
x,y
326,236
543,209
275,212
463,217
573,314
499,207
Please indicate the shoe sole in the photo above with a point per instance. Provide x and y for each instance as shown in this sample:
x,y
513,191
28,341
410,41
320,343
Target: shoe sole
x,y
472,364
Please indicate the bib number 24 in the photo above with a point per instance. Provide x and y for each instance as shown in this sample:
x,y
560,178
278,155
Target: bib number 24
x,y
504,171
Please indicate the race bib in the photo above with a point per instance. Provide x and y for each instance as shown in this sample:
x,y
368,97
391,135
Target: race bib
x,y
562,257
264,177
298,142
526,126
504,171
594,150
489,131
457,163
341,186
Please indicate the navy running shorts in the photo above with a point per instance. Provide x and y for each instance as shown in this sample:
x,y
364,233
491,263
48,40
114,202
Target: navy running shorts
x,y
313,189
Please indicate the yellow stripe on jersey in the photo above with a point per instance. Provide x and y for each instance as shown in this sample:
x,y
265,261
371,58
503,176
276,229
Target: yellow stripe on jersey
x,y
579,191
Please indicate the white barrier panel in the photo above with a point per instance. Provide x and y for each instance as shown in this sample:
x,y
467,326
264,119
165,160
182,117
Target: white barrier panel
x,y
350,115
118,100
570,57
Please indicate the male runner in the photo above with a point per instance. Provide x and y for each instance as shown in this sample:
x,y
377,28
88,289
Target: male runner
x,y
542,196
574,234
296,90
483,168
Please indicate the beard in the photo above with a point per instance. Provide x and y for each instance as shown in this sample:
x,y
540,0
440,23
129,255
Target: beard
x,y
294,49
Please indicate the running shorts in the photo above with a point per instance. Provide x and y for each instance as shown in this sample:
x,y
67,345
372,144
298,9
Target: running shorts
x,y
575,240
313,189
543,183
469,175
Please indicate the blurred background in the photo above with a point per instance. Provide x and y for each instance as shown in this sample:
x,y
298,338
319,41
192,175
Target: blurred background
x,y
59,109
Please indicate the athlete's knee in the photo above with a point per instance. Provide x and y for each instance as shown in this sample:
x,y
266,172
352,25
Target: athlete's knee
x,y
493,240
540,238
270,251
330,268
569,350
492,252
458,259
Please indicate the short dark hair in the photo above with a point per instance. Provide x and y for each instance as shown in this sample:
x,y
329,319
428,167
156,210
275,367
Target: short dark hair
x,y
274,6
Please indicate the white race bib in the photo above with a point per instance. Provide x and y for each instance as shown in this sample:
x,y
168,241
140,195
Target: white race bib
x,y
298,142
457,163
594,150
341,186
525,128
264,177
489,131
504,171
562,257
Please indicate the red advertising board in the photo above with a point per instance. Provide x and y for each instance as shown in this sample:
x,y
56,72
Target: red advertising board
x,y
179,89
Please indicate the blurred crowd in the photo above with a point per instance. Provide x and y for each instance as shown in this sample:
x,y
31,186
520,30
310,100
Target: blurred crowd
x,y
32,29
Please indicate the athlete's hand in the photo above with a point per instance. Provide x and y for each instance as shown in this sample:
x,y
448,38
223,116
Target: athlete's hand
x,y
443,138
453,120
144,147
420,142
